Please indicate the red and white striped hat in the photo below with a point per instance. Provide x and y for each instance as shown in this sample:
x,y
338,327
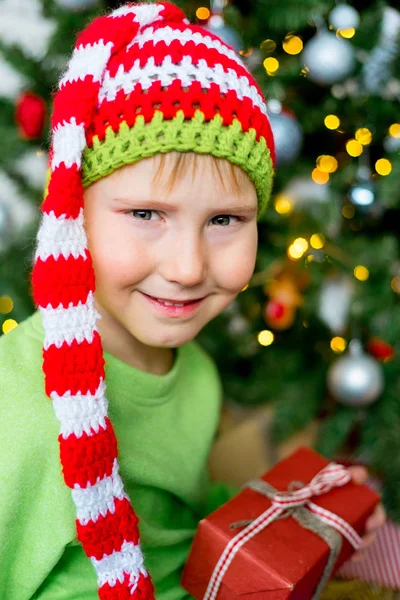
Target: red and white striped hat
x,y
141,80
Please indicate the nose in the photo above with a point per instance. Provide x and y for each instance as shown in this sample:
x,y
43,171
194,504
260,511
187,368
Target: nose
x,y
185,260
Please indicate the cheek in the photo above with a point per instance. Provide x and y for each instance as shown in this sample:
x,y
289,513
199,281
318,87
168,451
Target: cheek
x,y
118,259
236,264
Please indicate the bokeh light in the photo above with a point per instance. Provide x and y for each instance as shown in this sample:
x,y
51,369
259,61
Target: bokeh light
x,y
364,136
354,148
319,177
6,305
9,325
271,65
317,241
327,163
394,130
202,13
383,166
338,344
332,121
265,337
283,204
361,273
292,44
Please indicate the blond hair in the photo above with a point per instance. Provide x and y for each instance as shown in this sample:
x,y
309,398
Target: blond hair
x,y
231,178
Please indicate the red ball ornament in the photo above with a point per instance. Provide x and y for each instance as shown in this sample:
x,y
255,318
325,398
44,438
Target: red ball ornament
x,y
30,113
380,349
279,316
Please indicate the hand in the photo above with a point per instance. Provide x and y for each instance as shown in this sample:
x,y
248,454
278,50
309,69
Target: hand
x,y
359,475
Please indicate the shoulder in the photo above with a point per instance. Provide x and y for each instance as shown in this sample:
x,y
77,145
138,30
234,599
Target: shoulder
x,y
27,419
199,357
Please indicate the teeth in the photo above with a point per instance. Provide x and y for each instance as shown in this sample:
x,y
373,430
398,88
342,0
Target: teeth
x,y
168,303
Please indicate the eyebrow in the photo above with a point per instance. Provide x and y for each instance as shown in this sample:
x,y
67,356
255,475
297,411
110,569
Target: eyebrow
x,y
165,206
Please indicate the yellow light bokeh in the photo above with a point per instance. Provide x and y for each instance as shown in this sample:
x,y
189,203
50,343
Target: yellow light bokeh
x,y
332,121
300,244
265,337
361,273
245,288
395,284
383,166
9,325
292,44
294,253
327,163
317,241
6,305
319,177
271,65
268,45
354,148
283,204
203,13
338,344
346,33
364,136
348,211
394,130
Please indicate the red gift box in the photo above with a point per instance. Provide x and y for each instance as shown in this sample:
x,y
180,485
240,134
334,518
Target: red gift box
x,y
283,560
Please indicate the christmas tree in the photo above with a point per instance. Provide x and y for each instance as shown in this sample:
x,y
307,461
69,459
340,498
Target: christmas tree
x,y
316,331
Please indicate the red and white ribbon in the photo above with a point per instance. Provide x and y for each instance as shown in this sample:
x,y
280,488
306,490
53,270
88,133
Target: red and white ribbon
x,y
333,475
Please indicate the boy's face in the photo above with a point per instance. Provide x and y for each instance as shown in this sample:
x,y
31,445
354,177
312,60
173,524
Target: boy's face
x,y
191,249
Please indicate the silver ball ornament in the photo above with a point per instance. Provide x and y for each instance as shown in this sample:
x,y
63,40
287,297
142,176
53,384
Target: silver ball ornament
x,y
288,135
328,59
344,16
355,379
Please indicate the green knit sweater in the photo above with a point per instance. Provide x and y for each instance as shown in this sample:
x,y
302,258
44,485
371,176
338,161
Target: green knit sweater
x,y
165,426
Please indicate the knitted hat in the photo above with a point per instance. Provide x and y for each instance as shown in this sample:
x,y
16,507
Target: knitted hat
x,y
140,81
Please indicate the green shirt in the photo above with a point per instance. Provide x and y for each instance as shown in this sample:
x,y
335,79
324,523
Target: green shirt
x,y
165,426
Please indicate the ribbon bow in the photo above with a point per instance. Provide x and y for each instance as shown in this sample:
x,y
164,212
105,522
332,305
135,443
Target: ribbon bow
x,y
297,504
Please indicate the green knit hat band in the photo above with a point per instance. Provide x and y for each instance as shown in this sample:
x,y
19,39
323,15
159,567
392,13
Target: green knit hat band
x,y
131,144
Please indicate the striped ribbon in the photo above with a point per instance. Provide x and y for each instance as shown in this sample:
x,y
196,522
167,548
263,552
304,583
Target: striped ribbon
x,y
333,475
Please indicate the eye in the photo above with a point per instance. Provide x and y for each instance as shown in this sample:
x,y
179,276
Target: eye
x,y
142,214
225,218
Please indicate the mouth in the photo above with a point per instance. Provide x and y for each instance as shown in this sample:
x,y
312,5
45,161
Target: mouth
x,y
181,309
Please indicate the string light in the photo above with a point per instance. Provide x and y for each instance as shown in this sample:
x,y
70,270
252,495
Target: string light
x,y
283,204
332,121
364,136
265,337
383,166
9,325
327,163
394,130
292,44
245,287
346,33
354,148
338,344
297,248
317,241
319,177
6,304
268,45
348,211
202,13
361,273
395,284
271,65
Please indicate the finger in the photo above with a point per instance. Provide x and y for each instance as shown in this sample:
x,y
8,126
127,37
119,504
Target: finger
x,y
377,519
359,474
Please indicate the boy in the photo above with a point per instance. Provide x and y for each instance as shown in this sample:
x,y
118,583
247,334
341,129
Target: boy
x,y
121,296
